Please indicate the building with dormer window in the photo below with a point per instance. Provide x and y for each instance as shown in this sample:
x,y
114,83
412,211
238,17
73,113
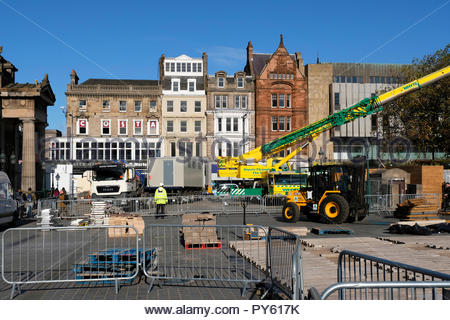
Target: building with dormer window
x,y
183,103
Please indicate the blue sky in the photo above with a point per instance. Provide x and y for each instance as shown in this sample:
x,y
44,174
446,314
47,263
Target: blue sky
x,y
124,39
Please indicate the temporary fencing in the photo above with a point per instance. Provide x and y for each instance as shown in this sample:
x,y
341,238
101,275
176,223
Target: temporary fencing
x,y
207,253
387,203
273,204
364,277
285,262
177,205
105,254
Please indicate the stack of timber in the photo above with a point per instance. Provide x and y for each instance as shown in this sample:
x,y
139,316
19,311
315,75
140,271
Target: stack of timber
x,y
125,220
417,209
202,237
111,264
429,178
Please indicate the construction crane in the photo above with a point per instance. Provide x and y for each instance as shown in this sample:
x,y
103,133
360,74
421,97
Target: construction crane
x,y
335,194
248,165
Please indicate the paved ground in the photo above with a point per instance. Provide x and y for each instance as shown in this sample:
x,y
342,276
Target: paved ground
x,y
373,227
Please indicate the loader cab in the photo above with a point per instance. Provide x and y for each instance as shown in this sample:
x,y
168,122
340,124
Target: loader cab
x,y
348,179
328,178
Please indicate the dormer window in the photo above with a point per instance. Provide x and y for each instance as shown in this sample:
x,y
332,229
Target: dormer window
x,y
175,85
221,82
240,82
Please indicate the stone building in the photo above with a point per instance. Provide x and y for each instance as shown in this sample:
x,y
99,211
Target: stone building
x,y
280,92
23,118
183,121
319,77
109,119
230,114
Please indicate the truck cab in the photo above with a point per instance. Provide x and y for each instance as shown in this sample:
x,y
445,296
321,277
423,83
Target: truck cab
x,y
8,206
281,182
112,180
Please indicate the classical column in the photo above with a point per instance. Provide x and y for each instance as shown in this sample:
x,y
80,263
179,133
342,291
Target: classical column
x,y
28,156
40,151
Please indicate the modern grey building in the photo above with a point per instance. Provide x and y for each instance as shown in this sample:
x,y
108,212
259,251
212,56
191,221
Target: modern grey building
x,y
353,82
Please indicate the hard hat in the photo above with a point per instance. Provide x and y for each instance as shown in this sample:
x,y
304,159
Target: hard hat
x,y
161,184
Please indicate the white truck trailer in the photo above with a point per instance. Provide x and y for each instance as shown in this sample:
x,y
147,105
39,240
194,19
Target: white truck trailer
x,y
179,175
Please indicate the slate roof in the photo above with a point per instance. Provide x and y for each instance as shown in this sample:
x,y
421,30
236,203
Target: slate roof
x,y
120,82
167,85
20,86
260,59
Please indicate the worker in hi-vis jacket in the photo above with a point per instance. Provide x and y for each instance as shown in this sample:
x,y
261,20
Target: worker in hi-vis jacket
x,y
160,200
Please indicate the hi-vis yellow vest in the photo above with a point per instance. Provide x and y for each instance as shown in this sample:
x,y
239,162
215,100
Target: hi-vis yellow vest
x,y
160,196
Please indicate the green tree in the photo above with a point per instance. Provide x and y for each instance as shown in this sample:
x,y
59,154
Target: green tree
x,y
423,116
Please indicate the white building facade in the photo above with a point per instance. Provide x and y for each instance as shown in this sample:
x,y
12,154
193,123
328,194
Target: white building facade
x,y
183,120
231,115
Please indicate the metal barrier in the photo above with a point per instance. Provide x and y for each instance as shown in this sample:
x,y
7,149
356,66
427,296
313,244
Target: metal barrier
x,y
235,204
387,203
145,206
362,276
82,208
106,254
273,204
207,253
285,262
432,285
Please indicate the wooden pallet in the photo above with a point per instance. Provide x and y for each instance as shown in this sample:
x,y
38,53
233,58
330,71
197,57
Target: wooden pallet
x,y
199,246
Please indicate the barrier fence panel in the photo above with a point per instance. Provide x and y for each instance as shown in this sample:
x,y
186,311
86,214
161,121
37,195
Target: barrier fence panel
x,y
274,204
206,252
236,204
104,254
359,268
176,205
285,267
387,203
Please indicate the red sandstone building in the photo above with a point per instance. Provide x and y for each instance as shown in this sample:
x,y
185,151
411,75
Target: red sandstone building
x,y
280,92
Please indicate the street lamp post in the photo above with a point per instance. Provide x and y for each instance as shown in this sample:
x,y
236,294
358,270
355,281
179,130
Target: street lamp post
x,y
71,149
57,180
2,160
64,110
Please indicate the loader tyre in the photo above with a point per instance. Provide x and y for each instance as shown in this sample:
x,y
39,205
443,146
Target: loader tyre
x,y
334,209
291,212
